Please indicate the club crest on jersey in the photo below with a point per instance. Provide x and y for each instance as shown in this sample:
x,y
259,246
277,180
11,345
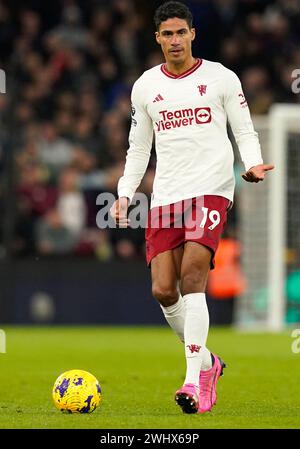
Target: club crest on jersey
x,y
202,89
182,117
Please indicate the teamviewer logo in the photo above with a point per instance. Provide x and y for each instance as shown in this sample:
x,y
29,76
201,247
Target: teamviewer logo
x,y
202,115
182,117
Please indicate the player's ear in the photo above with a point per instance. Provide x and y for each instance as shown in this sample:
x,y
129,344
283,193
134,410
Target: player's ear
x,y
193,31
157,37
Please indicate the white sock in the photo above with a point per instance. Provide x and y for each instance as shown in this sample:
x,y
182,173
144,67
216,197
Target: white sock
x,y
206,360
195,335
175,316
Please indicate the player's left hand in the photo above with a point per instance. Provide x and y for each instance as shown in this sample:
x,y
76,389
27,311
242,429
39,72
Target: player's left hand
x,y
257,173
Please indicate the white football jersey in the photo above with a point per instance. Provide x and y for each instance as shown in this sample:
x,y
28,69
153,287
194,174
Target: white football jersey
x,y
188,114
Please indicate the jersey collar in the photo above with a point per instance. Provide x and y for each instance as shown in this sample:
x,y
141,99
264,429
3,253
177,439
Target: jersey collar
x,y
166,72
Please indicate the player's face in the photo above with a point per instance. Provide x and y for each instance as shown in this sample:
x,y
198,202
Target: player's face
x,y
175,38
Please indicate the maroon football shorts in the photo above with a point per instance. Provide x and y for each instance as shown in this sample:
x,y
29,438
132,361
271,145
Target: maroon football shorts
x,y
201,219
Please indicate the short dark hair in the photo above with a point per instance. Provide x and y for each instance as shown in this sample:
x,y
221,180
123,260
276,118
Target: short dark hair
x,y
171,9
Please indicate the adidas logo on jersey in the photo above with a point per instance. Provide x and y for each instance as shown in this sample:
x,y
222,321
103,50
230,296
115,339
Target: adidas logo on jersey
x,y
158,98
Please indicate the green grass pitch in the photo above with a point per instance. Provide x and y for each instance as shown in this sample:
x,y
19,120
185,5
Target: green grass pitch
x,y
139,369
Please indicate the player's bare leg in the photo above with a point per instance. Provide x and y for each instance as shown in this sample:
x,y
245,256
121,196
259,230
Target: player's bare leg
x,y
195,268
165,271
194,273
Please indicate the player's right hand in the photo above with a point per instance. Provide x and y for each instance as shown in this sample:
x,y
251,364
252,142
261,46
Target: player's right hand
x,y
118,211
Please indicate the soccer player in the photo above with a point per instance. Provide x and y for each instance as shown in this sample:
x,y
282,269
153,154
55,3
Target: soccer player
x,y
187,102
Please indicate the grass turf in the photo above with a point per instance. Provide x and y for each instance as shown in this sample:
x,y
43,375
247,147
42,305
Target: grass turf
x,y
139,369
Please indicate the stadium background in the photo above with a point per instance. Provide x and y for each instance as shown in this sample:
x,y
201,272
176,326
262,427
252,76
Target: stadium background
x,y
70,66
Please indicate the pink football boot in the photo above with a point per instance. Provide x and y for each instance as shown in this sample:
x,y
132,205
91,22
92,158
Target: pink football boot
x,y
188,398
208,385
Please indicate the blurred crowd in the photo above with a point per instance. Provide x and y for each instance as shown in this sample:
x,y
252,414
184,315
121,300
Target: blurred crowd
x,y
70,68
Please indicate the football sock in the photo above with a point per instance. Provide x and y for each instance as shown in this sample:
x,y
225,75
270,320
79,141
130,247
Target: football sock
x,y
175,316
207,360
195,335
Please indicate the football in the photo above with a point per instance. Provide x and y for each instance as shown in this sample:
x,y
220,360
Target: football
x,y
77,391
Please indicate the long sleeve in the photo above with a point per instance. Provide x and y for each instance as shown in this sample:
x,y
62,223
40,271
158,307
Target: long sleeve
x,y
238,115
140,143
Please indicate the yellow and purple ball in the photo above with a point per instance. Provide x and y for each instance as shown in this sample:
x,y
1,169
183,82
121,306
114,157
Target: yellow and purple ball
x,y
77,391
